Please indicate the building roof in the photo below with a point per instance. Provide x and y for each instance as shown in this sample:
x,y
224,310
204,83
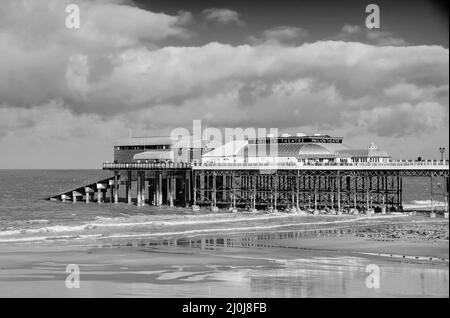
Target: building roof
x,y
241,148
291,150
154,155
232,148
159,140
363,153
143,141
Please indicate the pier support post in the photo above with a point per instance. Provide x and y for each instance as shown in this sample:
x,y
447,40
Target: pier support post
x,y
446,196
188,189
367,195
138,188
160,185
431,194
339,193
194,192
214,194
315,200
233,181
99,196
298,191
156,192
276,192
143,188
88,191
128,188
254,193
170,193
116,187
194,198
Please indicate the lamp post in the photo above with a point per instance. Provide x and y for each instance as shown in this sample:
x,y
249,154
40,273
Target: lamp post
x,y
442,150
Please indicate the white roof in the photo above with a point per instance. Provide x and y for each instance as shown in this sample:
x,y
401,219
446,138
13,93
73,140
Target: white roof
x,y
142,141
160,140
231,148
154,155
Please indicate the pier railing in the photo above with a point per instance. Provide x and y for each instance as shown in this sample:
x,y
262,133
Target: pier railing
x,y
397,164
146,165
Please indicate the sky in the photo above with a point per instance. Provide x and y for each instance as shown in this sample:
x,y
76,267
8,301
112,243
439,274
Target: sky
x,y
66,94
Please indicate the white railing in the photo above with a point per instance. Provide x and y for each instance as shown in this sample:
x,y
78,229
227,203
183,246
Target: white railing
x,y
397,163
146,165
183,165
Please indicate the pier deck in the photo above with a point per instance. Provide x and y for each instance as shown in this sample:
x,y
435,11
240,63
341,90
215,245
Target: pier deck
x,y
369,187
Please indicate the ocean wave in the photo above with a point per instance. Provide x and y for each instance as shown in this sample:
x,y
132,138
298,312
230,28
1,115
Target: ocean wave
x,y
48,238
245,229
423,204
49,229
18,235
143,220
190,220
427,202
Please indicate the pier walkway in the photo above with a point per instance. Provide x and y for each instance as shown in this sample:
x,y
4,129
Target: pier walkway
x,y
86,191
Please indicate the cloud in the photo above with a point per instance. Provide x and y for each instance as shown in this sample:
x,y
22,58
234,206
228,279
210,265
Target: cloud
x,y
88,86
222,16
51,61
280,35
369,36
405,119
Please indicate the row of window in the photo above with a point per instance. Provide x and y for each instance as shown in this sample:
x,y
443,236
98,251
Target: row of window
x,y
146,147
296,140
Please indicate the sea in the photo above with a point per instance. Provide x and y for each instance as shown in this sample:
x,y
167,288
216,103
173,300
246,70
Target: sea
x,y
23,193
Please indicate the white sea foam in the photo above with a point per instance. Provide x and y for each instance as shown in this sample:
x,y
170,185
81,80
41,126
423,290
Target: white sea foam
x,y
48,238
423,204
140,221
246,229
48,229
80,228
427,202
193,220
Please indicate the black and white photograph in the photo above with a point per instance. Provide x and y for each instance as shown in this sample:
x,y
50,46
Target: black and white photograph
x,y
224,153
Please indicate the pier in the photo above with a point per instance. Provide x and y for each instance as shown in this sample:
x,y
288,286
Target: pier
x,y
335,187
305,173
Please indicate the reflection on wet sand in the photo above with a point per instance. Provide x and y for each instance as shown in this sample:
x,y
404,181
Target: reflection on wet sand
x,y
316,263
300,271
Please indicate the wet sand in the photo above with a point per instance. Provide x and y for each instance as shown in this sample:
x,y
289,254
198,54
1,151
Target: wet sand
x,y
290,267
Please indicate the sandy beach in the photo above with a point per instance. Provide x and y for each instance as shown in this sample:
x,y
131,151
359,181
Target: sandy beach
x,y
289,261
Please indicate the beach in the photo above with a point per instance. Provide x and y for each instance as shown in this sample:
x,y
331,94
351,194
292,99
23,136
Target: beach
x,y
318,258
